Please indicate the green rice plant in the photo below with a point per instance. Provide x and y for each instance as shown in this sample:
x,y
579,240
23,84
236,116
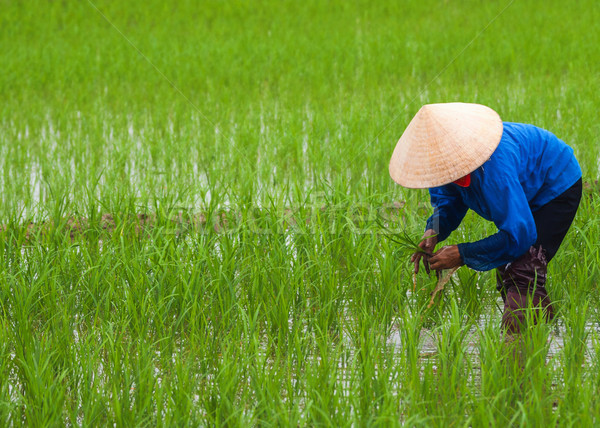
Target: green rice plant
x,y
574,359
588,383
499,380
8,405
454,365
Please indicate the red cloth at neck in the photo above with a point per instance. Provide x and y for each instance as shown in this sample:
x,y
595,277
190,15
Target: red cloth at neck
x,y
464,182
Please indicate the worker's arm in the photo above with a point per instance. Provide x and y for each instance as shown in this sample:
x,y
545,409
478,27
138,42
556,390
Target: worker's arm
x,y
512,215
449,210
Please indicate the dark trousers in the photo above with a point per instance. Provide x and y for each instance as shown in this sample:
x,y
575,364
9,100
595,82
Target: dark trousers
x,y
524,279
552,221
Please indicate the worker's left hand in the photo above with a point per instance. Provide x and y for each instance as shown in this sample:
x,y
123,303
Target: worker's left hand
x,y
446,258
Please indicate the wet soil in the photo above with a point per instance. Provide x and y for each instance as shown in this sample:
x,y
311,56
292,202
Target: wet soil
x,y
224,221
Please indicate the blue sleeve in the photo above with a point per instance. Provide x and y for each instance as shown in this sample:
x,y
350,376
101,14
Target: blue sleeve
x,y
448,211
512,215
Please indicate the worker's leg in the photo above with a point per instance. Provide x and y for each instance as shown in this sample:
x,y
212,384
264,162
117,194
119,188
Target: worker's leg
x,y
525,278
554,219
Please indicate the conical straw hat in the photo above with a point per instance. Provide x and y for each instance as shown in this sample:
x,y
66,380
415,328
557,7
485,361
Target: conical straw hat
x,y
443,143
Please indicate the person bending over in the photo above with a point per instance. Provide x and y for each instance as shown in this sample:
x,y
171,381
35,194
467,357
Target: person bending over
x,y
521,177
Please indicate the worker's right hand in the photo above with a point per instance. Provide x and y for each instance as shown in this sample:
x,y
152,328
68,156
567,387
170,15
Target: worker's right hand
x,y
427,245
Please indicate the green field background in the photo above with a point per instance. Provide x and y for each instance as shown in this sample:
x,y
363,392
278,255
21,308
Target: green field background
x,y
273,122
256,79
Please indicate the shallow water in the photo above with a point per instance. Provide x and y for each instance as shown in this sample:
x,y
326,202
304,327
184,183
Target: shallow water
x,y
428,347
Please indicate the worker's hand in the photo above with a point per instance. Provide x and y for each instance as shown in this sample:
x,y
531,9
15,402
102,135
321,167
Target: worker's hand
x,y
446,258
427,245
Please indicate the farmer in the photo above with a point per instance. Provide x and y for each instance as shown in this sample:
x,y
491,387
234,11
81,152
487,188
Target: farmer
x,y
523,178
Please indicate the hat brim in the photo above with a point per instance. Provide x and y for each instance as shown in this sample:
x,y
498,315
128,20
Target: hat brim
x,y
443,143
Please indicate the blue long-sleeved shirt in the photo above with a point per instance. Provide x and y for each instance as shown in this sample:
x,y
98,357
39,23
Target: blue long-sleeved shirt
x,y
528,169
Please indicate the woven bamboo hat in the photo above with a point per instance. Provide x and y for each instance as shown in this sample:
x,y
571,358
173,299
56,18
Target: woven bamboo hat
x,y
443,143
